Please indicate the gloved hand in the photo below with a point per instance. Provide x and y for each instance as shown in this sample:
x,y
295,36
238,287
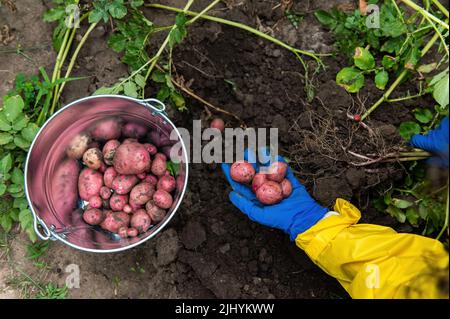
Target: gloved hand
x,y
293,215
436,141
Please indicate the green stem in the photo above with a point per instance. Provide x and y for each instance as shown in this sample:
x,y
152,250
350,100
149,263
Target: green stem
x,y
446,217
399,79
405,98
72,63
243,27
424,13
415,154
163,46
440,7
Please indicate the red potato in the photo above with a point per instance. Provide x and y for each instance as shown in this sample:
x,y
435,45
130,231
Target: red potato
x,y
130,140
159,165
109,176
155,138
123,184
134,130
161,155
218,123
141,221
95,202
107,129
131,158
151,149
135,207
166,151
141,194
64,187
115,220
277,171
180,182
78,145
286,187
162,199
109,149
105,192
94,144
122,232
152,179
103,168
242,172
89,183
117,202
269,193
258,180
132,232
93,216
156,213
142,176
127,209
167,183
93,158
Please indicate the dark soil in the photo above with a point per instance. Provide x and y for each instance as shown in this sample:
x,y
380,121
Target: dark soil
x,y
212,250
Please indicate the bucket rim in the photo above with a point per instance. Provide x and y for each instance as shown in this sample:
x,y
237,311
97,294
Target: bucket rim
x,y
55,236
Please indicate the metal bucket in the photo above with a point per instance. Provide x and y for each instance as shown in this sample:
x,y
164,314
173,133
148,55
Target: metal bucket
x,y
52,192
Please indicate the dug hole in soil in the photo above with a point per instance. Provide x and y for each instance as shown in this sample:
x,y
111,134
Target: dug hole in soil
x,y
210,249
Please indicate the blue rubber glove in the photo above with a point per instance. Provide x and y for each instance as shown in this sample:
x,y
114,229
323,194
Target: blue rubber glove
x,y
436,141
293,215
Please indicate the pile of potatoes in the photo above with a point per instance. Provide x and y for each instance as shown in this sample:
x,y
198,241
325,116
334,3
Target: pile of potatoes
x,y
124,183
270,187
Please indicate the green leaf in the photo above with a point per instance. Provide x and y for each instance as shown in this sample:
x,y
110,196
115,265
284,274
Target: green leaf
x,y
5,138
140,81
14,188
12,107
423,115
130,89
412,216
178,100
98,14
30,132
381,79
54,14
117,9
17,176
6,222
401,203
117,42
2,189
136,3
21,122
440,85
408,129
163,93
325,18
21,142
350,79
20,203
364,59
388,62
5,125
158,76
104,90
396,213
427,68
25,218
6,164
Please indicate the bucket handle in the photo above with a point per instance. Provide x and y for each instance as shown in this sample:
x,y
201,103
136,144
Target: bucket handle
x,y
153,104
47,233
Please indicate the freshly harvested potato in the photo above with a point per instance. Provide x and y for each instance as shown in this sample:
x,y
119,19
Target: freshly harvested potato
x,y
107,129
286,187
117,202
89,183
156,213
269,193
162,199
115,220
277,171
141,193
93,158
159,165
242,172
155,138
130,140
105,192
141,221
134,130
123,184
218,123
103,168
78,145
132,232
142,176
109,149
93,216
95,202
167,183
258,180
152,179
109,176
127,209
122,232
131,158
151,149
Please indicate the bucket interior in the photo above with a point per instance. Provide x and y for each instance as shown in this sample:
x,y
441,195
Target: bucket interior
x,y
52,177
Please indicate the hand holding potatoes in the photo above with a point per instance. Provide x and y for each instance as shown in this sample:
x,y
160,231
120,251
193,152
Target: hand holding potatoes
x,y
281,201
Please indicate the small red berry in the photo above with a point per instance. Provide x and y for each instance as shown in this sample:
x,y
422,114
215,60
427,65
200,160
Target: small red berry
x,y
357,118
